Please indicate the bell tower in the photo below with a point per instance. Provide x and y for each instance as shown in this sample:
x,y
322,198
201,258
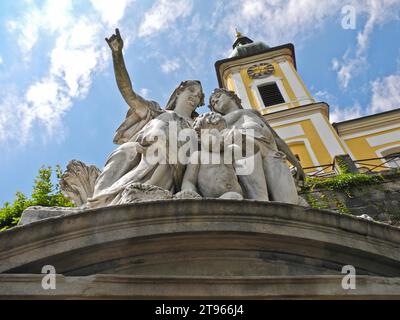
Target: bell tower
x,y
266,79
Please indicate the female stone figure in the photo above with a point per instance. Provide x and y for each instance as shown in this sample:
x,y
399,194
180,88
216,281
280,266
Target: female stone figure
x,y
144,122
271,178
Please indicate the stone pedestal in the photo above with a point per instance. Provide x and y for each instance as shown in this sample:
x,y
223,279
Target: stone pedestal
x,y
201,248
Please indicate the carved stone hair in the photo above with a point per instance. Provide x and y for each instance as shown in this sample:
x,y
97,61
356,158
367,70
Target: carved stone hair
x,y
229,93
183,85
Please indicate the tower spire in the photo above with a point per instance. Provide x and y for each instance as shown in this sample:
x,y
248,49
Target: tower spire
x,y
238,34
241,40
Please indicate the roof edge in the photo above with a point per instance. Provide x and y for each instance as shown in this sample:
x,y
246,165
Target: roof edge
x,y
289,46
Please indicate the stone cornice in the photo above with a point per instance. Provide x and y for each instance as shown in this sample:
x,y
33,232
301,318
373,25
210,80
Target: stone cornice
x,y
170,234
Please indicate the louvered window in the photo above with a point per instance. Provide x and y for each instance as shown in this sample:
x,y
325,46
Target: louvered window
x,y
270,94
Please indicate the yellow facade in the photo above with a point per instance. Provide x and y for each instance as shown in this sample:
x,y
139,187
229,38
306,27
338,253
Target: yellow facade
x,y
372,137
301,121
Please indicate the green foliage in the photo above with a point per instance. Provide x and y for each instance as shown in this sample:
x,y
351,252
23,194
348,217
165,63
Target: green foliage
x,y
44,193
344,168
341,206
343,182
315,203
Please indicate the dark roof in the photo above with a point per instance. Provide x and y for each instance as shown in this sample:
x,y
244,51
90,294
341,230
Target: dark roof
x,y
366,117
241,41
248,49
289,46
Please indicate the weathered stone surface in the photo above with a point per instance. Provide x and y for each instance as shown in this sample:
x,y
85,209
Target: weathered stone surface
x,y
202,238
33,214
138,192
381,202
201,248
187,195
78,180
24,286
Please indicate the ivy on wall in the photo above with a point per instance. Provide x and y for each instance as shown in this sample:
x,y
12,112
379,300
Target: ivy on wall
x,y
342,182
345,182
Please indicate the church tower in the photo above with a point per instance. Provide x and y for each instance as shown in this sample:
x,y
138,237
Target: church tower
x,y
266,79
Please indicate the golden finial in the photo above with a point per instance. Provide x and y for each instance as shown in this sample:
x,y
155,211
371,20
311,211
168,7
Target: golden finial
x,y
238,34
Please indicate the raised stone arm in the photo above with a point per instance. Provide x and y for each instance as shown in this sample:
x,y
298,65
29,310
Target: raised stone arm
x,y
136,102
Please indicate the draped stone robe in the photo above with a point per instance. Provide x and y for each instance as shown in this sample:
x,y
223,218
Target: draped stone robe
x,y
129,164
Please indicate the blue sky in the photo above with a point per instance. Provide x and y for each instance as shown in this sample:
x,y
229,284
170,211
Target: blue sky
x,y
59,100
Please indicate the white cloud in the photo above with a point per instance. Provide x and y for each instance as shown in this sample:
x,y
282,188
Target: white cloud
x,y
75,56
324,96
280,21
144,92
378,12
1,60
51,17
348,68
337,113
170,66
163,14
385,94
78,53
111,11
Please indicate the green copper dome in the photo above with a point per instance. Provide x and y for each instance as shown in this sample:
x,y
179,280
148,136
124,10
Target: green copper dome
x,y
244,46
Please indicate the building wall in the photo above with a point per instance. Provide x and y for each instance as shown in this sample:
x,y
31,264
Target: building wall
x,y
372,137
309,133
285,76
379,201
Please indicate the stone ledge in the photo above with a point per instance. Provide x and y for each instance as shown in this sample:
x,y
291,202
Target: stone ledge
x,y
25,286
38,213
202,237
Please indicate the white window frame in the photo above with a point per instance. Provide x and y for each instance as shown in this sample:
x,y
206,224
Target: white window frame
x,y
270,80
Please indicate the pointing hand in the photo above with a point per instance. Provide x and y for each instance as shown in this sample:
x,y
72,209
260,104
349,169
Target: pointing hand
x,y
115,42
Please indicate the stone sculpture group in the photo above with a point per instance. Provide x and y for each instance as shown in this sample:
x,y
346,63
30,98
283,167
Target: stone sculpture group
x,y
132,174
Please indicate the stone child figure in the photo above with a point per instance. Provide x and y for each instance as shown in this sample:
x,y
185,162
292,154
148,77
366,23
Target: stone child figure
x,y
271,178
129,164
207,174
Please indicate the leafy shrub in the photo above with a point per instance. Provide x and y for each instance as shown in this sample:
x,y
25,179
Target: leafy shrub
x,y
44,193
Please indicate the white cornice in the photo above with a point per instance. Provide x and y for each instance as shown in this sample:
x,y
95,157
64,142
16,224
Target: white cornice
x,y
371,123
298,112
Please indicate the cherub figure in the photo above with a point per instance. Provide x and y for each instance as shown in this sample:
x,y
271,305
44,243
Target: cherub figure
x,y
207,174
271,178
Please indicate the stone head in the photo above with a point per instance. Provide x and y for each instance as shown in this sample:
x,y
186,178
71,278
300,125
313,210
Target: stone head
x,y
189,94
223,101
208,127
